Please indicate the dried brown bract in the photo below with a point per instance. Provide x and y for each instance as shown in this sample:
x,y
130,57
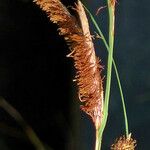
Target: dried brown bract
x,y
113,2
124,143
86,63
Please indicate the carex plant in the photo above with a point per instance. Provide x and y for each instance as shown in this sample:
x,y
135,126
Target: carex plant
x,y
89,80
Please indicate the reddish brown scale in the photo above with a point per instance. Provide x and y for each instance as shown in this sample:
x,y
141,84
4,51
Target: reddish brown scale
x,y
87,65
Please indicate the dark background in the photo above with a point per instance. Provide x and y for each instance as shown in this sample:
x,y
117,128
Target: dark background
x,y
36,77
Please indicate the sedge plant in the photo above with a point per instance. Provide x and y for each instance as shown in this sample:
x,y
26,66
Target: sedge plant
x,y
89,80
127,140
87,65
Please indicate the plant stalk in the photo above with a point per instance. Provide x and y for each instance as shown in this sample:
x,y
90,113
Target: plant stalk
x,y
97,141
111,11
115,68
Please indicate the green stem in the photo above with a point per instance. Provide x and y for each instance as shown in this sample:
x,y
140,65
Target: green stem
x,y
97,27
111,9
97,141
116,70
122,99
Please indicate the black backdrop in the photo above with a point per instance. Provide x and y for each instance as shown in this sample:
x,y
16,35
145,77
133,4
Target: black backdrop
x,y
34,73
36,77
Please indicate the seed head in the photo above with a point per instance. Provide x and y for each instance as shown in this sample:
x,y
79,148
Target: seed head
x,y
124,143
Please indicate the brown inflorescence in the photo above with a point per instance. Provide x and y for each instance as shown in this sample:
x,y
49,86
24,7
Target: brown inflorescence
x,y
124,143
87,65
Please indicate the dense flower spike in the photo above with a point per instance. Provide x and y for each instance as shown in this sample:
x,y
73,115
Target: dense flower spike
x,y
86,63
124,143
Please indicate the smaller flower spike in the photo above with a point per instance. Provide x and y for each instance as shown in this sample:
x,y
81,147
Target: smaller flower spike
x,y
124,143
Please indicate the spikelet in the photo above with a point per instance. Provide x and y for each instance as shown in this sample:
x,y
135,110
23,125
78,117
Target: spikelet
x,y
124,143
87,65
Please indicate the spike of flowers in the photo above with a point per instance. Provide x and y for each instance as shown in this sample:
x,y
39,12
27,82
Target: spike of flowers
x,y
124,143
87,65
